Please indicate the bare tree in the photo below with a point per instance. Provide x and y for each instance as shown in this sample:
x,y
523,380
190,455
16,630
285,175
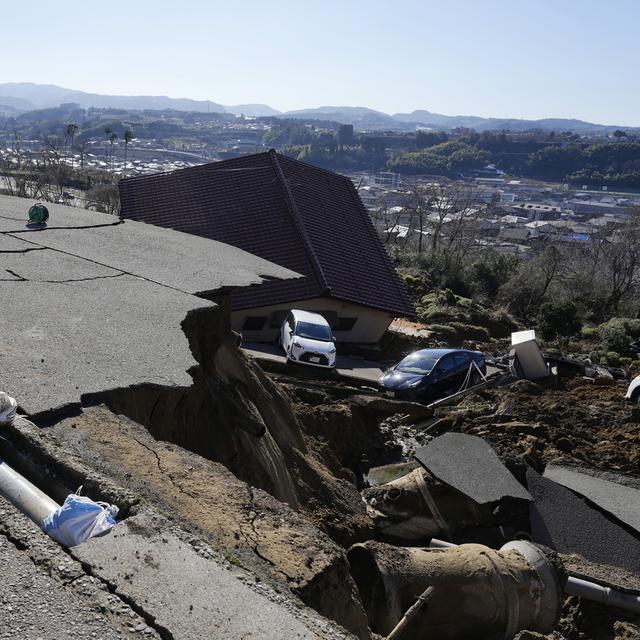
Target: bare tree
x,y
448,213
112,138
83,146
128,137
103,198
417,202
72,129
605,272
387,219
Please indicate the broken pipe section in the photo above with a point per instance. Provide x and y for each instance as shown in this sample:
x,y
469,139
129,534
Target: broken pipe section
x,y
478,592
417,506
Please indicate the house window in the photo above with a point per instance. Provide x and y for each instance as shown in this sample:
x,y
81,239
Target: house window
x,y
253,323
344,324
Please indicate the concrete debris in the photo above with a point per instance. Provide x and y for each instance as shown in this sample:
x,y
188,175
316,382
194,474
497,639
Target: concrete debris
x,y
564,521
478,592
193,596
470,465
416,507
620,501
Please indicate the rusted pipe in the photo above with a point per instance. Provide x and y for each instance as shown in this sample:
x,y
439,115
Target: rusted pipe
x,y
479,592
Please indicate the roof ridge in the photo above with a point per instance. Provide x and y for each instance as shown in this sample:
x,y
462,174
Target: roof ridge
x,y
297,218
203,167
332,174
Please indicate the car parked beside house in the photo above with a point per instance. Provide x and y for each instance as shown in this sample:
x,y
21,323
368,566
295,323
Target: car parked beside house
x,y
306,338
429,374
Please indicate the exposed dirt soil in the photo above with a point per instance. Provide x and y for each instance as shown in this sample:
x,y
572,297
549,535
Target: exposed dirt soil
x,y
581,423
584,620
250,526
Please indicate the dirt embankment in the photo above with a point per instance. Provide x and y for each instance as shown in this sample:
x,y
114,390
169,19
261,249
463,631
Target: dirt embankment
x,y
248,525
580,423
229,458
236,415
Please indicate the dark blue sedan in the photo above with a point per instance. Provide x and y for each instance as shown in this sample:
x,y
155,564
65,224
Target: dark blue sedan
x,y
433,373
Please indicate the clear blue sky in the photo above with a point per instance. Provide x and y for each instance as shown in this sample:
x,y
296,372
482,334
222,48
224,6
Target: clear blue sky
x,y
505,58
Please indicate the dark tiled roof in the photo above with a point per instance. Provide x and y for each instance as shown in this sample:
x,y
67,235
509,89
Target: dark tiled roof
x,y
294,214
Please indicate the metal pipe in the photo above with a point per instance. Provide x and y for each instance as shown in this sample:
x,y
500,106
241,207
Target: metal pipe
x,y
25,496
581,588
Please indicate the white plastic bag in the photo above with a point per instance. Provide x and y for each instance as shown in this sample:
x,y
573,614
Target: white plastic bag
x,y
8,407
79,519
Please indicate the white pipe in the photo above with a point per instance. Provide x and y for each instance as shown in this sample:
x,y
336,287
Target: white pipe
x,y
605,595
25,496
582,588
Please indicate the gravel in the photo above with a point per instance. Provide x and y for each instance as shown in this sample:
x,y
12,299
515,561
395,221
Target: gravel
x,y
34,606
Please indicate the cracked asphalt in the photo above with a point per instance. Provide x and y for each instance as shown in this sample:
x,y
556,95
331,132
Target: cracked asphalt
x,y
91,304
45,594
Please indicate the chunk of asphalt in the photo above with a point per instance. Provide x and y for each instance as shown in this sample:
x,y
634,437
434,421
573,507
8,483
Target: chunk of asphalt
x,y
620,501
564,521
187,595
471,466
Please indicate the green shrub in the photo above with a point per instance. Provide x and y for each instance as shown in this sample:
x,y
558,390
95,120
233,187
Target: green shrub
x,y
612,359
614,336
558,319
633,327
473,332
595,356
589,332
573,346
444,330
466,302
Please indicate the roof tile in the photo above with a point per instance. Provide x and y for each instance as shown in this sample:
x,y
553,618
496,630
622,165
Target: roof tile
x,y
307,219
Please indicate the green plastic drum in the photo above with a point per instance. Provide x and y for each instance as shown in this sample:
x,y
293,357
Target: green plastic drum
x,y
38,214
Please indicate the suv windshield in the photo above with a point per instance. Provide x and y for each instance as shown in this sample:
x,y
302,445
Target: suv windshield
x,y
419,363
314,331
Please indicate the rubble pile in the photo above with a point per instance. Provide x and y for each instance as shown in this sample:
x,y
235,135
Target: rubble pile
x,y
579,423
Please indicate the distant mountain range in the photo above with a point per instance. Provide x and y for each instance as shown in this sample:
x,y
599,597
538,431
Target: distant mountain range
x,y
19,97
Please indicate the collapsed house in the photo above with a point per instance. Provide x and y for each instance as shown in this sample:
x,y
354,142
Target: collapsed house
x,y
293,214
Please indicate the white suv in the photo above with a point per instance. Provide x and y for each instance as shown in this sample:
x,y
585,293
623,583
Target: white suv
x,y
307,338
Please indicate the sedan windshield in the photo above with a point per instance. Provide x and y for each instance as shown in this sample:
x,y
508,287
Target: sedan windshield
x,y
314,331
419,363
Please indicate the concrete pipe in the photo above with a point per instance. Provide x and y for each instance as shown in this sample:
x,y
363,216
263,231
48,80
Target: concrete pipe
x,y
478,592
581,588
417,506
25,496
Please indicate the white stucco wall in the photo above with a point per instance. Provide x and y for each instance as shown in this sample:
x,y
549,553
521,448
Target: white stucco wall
x,y
368,329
